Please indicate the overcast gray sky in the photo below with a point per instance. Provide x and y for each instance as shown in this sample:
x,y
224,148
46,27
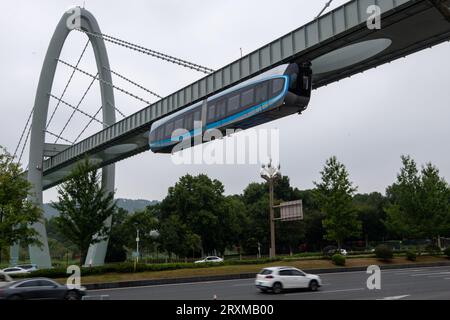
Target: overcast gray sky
x,y
367,121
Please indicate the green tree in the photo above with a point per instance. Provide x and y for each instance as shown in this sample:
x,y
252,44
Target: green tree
x,y
145,221
194,243
418,202
404,200
334,195
314,230
256,201
434,200
118,237
16,212
176,237
59,245
202,209
83,207
370,209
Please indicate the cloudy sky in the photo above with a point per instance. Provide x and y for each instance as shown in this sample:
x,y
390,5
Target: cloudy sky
x,y
367,121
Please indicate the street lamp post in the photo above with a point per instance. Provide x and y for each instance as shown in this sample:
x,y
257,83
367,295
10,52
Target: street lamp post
x,y
137,245
271,173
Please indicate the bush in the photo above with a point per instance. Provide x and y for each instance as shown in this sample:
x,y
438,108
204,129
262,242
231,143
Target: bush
x,y
384,252
447,252
338,259
411,256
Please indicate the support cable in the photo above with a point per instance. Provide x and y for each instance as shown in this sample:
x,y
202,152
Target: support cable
x,y
59,137
150,52
25,143
23,133
88,124
134,83
106,82
67,85
323,10
75,110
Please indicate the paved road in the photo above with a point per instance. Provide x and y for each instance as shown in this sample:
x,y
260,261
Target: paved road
x,y
421,283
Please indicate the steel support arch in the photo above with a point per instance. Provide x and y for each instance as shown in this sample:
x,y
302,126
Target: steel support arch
x,y
97,252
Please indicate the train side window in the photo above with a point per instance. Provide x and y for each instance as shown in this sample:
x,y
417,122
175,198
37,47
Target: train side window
x,y
179,124
221,109
261,92
277,86
211,112
198,115
233,104
189,122
169,129
247,98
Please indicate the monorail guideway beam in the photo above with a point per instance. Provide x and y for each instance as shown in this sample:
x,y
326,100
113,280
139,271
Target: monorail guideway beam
x,y
40,254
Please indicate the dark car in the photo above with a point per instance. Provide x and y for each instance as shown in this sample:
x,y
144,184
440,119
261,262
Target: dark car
x,y
39,288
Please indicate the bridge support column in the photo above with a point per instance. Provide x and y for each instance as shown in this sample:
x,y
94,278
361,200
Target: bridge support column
x,y
14,254
97,252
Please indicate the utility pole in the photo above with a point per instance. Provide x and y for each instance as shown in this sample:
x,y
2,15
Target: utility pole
x,y
270,174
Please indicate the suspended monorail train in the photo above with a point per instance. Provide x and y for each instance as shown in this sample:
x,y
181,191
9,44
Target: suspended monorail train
x,y
277,93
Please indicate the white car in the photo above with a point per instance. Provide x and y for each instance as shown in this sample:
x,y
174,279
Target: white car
x,y
29,267
277,279
212,259
14,271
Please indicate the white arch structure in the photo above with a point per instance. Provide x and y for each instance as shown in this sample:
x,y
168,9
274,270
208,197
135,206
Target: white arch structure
x,y
74,18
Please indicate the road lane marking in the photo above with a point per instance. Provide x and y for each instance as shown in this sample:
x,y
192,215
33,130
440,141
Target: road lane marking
x,y
168,285
443,274
331,291
385,271
396,297
342,290
408,271
429,274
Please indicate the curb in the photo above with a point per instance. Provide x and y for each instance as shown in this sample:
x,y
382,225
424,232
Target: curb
x,y
155,282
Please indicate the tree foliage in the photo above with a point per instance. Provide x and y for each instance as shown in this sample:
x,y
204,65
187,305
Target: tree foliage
x,y
370,210
83,207
418,202
17,214
334,196
196,206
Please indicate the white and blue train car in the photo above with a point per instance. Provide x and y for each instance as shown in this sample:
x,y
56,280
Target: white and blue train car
x,y
277,93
